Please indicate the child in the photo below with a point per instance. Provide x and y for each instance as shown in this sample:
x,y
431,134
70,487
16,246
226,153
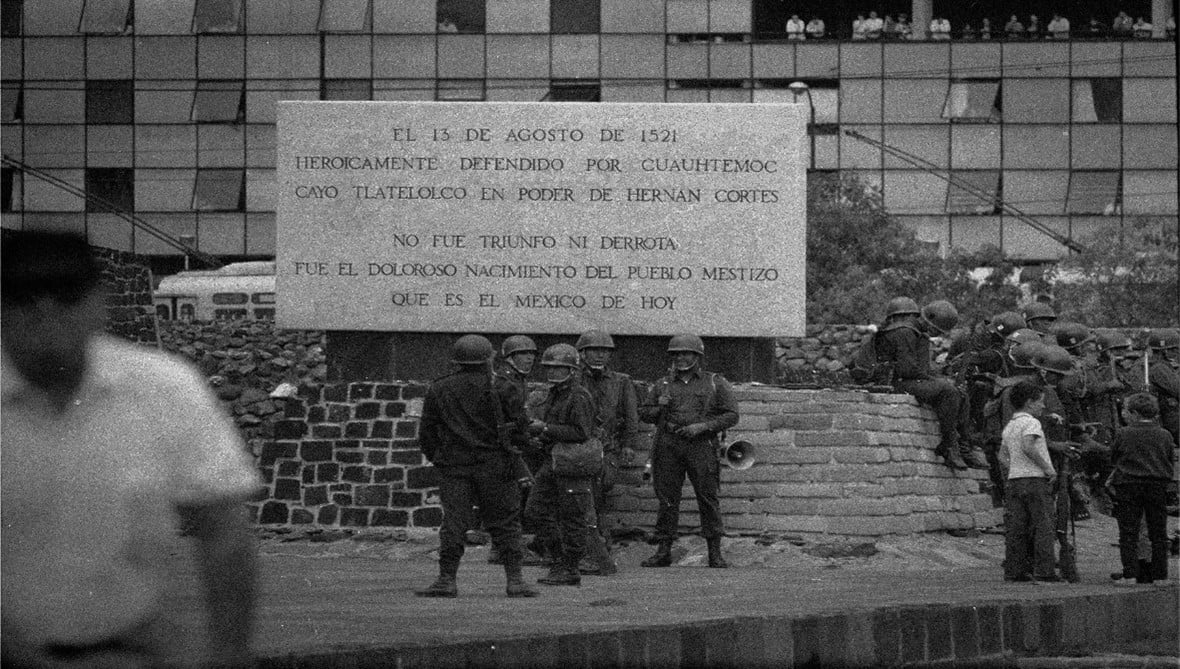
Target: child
x,y
1142,455
1028,502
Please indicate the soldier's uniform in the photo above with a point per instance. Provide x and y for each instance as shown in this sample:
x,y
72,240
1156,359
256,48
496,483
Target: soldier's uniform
x,y
618,419
680,403
563,505
1164,378
902,344
463,434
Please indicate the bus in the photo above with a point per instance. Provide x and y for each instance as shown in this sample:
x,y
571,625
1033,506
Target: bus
x,y
236,291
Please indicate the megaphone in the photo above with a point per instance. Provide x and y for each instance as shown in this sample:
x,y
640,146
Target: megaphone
x,y
738,455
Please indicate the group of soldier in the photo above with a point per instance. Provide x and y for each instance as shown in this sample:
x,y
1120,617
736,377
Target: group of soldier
x,y
1086,375
491,434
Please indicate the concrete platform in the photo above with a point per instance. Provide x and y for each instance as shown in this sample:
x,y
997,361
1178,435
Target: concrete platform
x,y
933,599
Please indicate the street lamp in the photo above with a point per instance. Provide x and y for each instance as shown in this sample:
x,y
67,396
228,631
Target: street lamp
x,y
798,90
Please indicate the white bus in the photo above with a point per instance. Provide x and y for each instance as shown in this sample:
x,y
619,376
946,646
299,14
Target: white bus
x,y
238,290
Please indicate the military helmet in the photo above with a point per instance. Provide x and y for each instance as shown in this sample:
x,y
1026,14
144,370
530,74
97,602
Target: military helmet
x,y
1111,339
901,305
472,349
1023,335
594,339
560,355
1039,310
940,314
1163,339
1052,358
1006,323
1070,335
517,344
686,342
1023,353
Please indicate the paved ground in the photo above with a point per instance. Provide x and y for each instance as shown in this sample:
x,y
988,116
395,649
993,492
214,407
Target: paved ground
x,y
354,594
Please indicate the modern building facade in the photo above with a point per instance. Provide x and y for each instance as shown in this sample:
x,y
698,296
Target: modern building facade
x,y
166,108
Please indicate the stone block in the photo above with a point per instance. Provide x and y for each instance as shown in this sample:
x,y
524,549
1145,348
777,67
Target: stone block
x,y
367,410
289,429
335,392
852,506
795,456
820,641
315,495
406,457
812,422
371,495
339,413
317,414
357,473
302,517
406,429
413,391
390,518
288,489
785,507
356,430
430,516
664,646
382,429
274,450
377,458
1051,626
273,513
832,438
350,456
315,451
328,515
342,498
395,410
940,643
912,624
886,637
327,472
858,421
386,391
991,629
405,499
360,391
860,455
354,517
806,524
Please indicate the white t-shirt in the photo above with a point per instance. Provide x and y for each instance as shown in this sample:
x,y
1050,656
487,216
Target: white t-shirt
x,y
88,494
1013,453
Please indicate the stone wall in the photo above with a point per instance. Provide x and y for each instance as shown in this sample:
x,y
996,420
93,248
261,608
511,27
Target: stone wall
x,y
830,463
849,463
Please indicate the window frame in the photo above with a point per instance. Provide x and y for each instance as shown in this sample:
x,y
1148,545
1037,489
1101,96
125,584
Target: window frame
x,y
1109,209
473,27
994,115
205,180
237,8
123,95
128,14
366,17
955,194
100,183
218,87
327,83
442,86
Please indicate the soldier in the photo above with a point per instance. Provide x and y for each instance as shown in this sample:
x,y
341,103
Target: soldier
x,y
562,505
1163,379
690,408
1040,316
904,341
615,401
978,361
1084,484
465,432
518,353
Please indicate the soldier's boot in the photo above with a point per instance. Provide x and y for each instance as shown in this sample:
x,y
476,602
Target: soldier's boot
x,y
715,559
516,586
443,586
950,453
662,557
562,573
598,560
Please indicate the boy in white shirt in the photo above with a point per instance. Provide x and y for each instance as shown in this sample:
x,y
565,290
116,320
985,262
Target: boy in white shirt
x,y
1028,501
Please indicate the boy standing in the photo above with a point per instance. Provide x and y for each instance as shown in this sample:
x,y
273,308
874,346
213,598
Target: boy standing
x,y
1028,502
1143,457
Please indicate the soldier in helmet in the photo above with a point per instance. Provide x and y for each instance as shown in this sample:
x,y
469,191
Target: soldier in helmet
x,y
518,353
1040,316
1163,378
904,342
615,400
690,408
1077,339
978,361
562,506
464,434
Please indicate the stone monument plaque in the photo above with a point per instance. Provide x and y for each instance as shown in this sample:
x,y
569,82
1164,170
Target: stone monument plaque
x,y
640,219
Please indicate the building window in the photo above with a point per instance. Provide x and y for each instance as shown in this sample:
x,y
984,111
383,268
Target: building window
x,y
220,190
106,17
110,101
345,16
110,187
12,99
219,101
460,90
1094,192
461,16
11,14
974,192
1098,100
217,16
7,185
573,90
574,16
973,101
346,89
